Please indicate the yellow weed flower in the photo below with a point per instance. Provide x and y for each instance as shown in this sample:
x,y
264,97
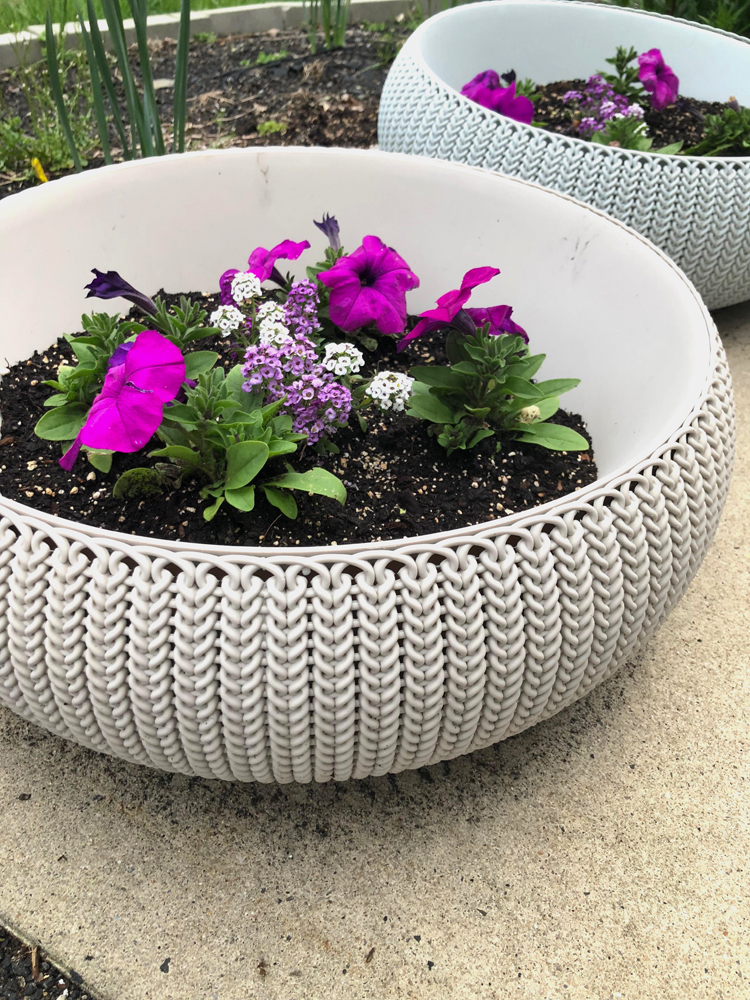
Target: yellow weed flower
x,y
38,170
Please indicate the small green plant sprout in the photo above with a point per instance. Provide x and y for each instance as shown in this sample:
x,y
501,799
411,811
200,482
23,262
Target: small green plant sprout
x,y
205,37
630,132
625,79
727,133
270,57
271,126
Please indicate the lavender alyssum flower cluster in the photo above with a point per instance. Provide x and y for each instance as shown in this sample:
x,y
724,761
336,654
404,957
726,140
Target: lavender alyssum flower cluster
x,y
598,104
317,404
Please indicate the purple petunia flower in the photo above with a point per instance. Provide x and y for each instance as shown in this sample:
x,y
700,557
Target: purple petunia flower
x,y
129,408
330,228
657,78
485,89
109,285
369,286
450,306
120,353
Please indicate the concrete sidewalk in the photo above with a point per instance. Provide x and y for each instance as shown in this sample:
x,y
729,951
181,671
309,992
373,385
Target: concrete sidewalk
x,y
602,854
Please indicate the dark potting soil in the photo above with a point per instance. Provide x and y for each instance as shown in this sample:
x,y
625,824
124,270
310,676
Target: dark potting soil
x,y
329,98
399,480
683,120
25,974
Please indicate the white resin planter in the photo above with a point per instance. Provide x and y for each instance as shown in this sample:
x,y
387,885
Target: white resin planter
x,y
695,208
330,663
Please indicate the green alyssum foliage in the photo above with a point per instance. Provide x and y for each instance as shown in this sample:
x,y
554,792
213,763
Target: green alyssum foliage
x,y
630,132
727,132
487,391
227,436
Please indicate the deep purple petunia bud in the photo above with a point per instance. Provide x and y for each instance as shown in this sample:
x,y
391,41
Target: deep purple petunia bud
x,y
109,285
120,353
330,229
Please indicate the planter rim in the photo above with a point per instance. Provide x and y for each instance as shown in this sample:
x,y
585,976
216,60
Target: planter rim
x,y
416,41
508,524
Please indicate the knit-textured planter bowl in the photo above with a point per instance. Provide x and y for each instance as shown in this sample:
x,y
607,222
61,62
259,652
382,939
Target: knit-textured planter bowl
x,y
328,663
696,209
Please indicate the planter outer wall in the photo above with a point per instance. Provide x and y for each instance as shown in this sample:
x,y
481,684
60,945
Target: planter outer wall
x,y
696,209
294,664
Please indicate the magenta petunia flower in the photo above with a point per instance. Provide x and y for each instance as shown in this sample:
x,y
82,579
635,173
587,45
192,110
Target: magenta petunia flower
x,y
128,410
450,305
485,89
657,78
499,320
369,286
262,263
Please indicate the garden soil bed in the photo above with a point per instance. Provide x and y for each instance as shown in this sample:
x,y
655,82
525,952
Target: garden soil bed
x,y
681,121
25,974
399,480
329,98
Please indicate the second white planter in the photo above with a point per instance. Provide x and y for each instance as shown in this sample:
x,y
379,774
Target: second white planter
x,y
697,209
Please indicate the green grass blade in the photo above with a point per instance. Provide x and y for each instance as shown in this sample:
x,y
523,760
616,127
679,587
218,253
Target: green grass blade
x,y
342,16
57,94
180,78
135,111
312,24
106,76
139,11
96,91
325,11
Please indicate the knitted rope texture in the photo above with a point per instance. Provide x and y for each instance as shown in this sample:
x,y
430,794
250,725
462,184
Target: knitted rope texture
x,y
696,209
276,666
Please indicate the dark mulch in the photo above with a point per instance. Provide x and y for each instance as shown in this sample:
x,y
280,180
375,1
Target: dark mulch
x,y
399,480
25,974
327,99
683,120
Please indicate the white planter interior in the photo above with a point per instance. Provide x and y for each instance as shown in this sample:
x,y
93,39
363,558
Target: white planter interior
x,y
178,223
329,663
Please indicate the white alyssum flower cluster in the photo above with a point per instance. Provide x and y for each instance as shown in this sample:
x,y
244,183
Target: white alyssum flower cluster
x,y
272,334
270,320
245,286
391,390
227,319
343,359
